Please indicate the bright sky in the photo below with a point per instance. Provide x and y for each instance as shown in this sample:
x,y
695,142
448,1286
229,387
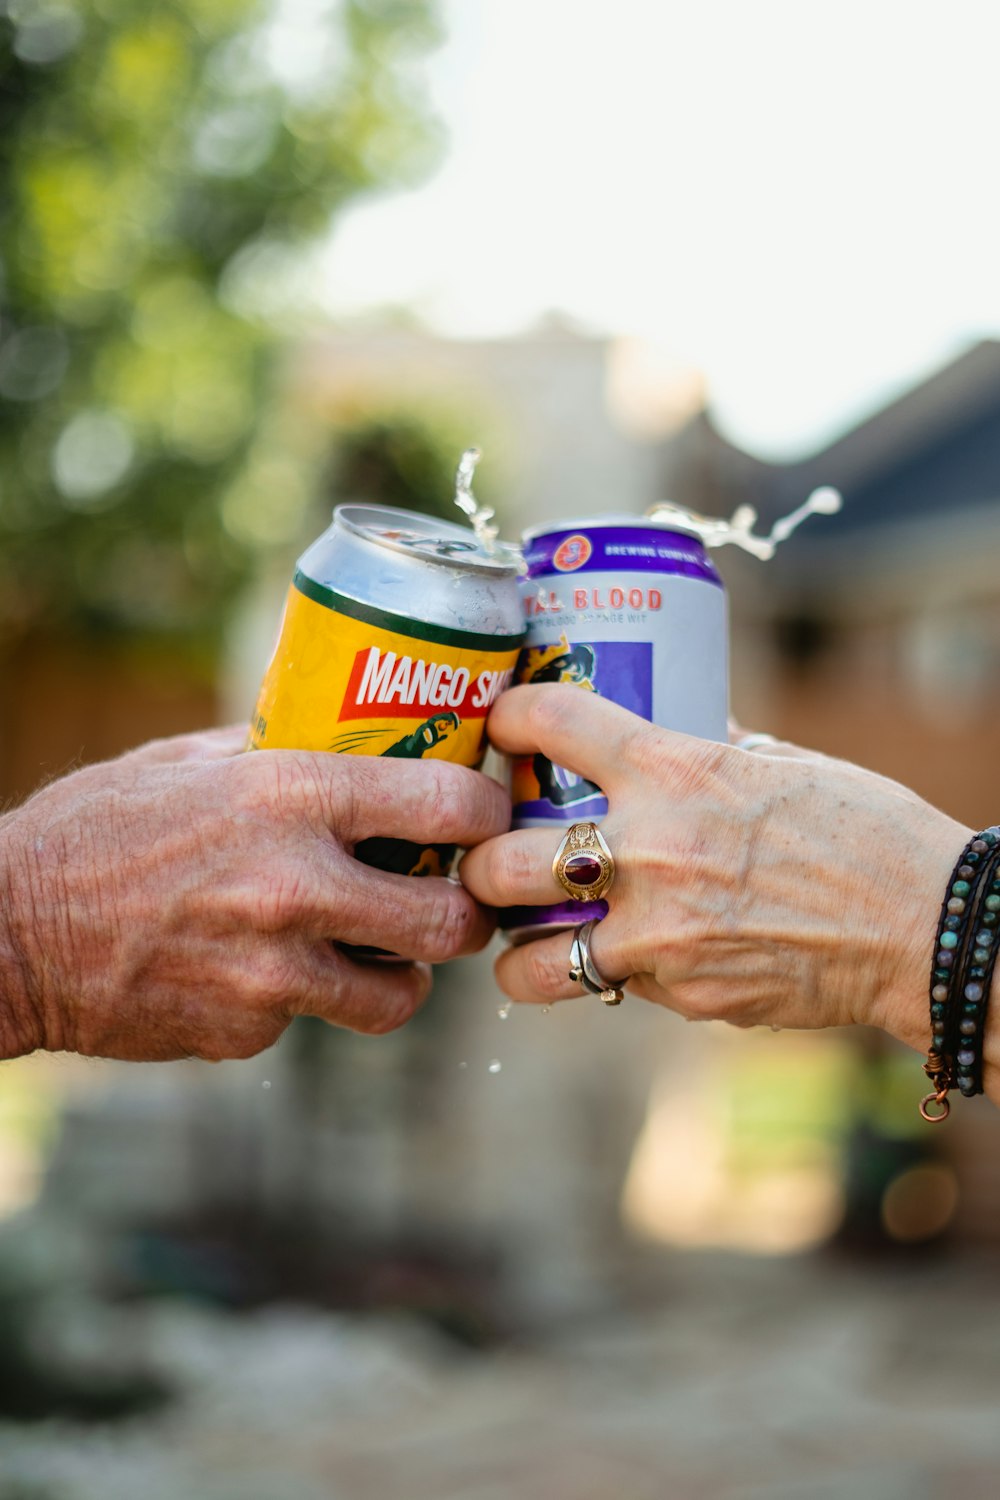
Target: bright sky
x,y
799,198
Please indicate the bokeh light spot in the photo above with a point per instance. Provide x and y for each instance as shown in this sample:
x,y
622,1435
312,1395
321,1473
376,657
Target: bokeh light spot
x,y
234,142
92,455
919,1203
32,363
46,33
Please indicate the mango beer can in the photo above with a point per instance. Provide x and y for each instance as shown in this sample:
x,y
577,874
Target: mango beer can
x,y
398,633
622,606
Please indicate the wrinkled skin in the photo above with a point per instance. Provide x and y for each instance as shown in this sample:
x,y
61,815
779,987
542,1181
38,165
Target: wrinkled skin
x,y
180,901
766,887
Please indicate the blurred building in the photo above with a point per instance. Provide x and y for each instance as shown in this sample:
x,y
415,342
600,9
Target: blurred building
x,y
876,635
542,400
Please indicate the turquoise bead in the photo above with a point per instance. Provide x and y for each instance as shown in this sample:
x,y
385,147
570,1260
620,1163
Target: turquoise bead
x,y
938,1012
981,955
961,888
993,903
949,940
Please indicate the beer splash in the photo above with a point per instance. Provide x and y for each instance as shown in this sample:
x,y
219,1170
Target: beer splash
x,y
481,516
738,530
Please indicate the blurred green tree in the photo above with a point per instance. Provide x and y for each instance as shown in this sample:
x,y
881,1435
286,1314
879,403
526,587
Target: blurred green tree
x,y
164,172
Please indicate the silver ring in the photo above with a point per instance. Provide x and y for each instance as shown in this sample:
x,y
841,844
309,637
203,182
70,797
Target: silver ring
x,y
755,741
584,971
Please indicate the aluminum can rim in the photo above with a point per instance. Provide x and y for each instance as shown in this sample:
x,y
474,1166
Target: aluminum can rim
x,y
609,519
349,517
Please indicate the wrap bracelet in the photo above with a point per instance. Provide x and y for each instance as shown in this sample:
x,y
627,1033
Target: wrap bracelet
x,y
965,953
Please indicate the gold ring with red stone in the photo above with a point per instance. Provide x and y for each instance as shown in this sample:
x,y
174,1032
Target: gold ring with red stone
x,y
584,865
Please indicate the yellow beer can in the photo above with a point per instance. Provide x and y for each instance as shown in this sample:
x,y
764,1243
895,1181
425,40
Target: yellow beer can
x,y
399,632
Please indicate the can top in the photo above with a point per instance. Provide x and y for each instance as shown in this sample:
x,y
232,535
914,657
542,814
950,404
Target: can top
x,y
425,537
609,519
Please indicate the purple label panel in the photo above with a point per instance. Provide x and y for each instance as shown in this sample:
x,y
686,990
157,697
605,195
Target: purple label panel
x,y
619,670
520,922
618,549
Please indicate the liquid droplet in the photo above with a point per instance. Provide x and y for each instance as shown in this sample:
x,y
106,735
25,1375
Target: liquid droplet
x,y
463,1065
495,1066
266,1084
716,532
481,516
546,1009
776,1029
504,1010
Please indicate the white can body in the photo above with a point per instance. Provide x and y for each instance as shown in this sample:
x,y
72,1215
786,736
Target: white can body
x,y
625,608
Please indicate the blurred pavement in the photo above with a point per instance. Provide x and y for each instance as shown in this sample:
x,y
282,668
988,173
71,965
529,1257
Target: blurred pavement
x,y
745,1379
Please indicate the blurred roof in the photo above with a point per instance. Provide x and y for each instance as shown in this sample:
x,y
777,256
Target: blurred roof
x,y
934,450
921,487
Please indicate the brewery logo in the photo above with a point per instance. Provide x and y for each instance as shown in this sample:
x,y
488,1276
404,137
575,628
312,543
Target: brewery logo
x,y
571,553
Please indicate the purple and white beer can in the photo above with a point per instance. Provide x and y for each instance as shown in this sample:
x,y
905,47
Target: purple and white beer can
x,y
629,609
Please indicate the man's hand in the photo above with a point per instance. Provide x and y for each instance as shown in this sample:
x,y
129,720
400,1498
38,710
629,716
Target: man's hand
x,y
181,901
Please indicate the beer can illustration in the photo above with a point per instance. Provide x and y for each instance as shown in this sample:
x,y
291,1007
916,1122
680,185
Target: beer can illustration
x,y
399,631
633,610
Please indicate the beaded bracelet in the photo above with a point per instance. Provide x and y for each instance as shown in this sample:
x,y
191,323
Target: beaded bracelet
x,y
975,992
965,954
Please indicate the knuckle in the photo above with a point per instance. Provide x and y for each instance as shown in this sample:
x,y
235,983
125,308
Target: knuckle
x,y
413,991
240,1047
686,764
184,747
282,781
543,973
239,1043
549,710
271,983
693,1003
448,919
646,755
284,901
472,797
251,778
510,869
450,788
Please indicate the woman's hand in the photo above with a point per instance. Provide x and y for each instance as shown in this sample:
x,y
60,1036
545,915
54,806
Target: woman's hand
x,y
781,889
